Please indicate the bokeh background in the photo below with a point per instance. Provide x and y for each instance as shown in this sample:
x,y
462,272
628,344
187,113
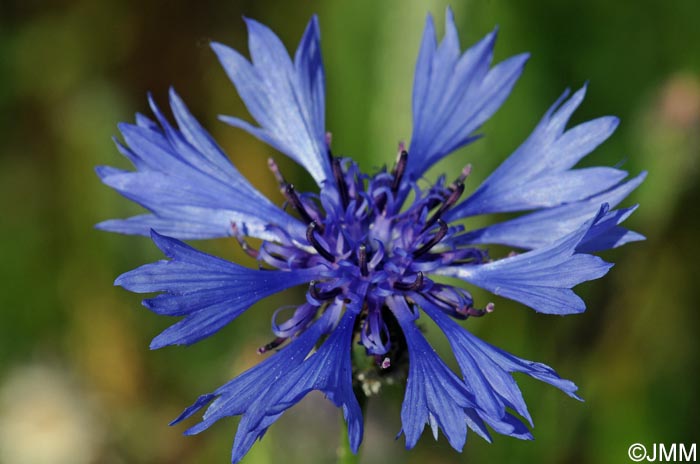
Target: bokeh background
x,y
77,381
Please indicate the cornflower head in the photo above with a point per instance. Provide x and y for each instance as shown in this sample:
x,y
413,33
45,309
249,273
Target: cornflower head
x,y
369,248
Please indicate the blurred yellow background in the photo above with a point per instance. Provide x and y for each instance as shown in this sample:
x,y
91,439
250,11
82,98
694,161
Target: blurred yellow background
x,y
77,381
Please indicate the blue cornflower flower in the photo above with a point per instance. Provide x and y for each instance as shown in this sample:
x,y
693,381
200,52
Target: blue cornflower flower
x,y
368,255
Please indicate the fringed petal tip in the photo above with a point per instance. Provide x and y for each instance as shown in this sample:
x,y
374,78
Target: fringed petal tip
x,y
208,292
540,174
286,97
542,279
454,93
544,227
184,178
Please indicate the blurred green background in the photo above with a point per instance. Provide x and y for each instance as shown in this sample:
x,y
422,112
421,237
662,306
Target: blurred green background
x,y
77,381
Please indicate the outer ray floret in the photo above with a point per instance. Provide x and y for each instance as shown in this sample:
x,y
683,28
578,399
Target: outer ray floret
x,y
487,370
240,394
546,226
328,370
542,278
187,182
454,93
539,173
209,292
436,396
286,98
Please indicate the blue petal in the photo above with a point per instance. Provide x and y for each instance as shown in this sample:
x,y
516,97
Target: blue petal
x,y
237,396
184,223
542,228
188,184
453,94
486,369
541,279
434,394
328,370
606,233
210,292
538,174
286,98
247,435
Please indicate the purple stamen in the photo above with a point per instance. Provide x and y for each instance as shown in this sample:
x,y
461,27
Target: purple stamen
x,y
298,321
272,345
272,165
473,312
340,180
434,240
447,204
322,295
466,170
362,260
400,168
417,284
250,251
311,237
294,199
